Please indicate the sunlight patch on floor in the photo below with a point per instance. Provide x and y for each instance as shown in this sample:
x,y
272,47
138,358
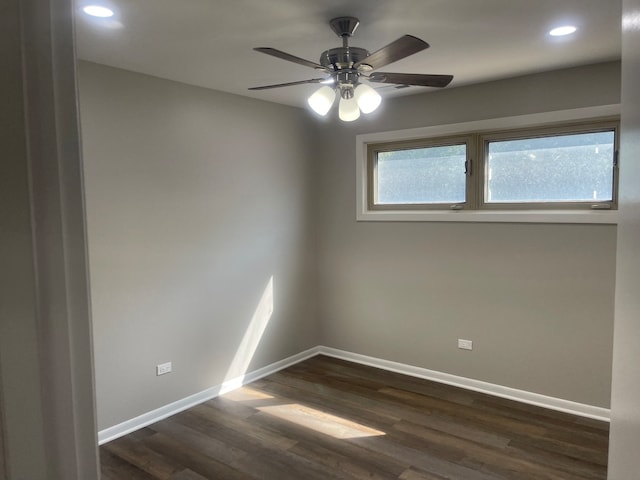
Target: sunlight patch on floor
x,y
319,421
246,394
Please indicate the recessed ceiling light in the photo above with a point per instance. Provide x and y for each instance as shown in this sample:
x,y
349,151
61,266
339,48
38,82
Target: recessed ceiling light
x,y
98,11
562,31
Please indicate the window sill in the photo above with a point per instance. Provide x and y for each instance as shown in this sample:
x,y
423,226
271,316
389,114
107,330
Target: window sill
x,y
609,217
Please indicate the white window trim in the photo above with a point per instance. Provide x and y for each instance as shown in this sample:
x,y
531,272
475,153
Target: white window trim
x,y
363,213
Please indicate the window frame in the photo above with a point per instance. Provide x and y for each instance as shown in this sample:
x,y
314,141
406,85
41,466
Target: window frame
x,y
600,125
372,166
535,214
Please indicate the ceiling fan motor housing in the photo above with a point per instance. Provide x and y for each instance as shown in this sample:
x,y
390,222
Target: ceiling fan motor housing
x,y
342,57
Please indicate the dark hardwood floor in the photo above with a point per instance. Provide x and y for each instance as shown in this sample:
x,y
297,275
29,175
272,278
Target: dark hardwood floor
x,y
326,418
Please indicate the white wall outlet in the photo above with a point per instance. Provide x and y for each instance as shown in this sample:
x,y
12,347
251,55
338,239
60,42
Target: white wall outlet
x,y
465,344
163,368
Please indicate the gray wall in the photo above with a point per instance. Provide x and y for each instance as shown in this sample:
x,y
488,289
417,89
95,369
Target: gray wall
x,y
625,395
196,201
537,300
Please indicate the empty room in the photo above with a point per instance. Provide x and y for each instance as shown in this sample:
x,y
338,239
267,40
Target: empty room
x,y
390,239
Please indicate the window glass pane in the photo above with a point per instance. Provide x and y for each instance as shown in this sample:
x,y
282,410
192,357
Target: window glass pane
x,y
562,168
422,175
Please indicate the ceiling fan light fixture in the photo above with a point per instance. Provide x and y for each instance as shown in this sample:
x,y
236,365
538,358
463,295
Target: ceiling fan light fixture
x,y
98,11
348,111
367,98
343,66
563,31
322,100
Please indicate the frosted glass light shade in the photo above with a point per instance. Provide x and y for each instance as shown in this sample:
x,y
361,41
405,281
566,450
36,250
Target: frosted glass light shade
x,y
98,11
348,110
367,98
562,31
322,100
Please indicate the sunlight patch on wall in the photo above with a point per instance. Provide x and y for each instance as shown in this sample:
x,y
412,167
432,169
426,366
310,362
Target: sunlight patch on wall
x,y
321,422
250,341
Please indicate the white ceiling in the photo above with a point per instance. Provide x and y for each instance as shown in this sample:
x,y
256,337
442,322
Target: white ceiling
x,y
210,43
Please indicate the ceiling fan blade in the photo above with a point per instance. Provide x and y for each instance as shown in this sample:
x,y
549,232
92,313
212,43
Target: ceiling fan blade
x,y
291,58
278,85
396,50
421,80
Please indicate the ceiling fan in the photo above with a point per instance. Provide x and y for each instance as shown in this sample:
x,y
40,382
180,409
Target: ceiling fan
x,y
344,68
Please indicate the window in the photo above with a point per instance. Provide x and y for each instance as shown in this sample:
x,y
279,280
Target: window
x,y
561,168
567,167
423,174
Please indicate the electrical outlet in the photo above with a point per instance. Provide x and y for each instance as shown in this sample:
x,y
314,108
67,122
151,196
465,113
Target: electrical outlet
x,y
163,368
465,344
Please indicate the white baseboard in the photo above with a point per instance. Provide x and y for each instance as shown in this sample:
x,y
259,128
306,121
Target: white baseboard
x,y
522,396
158,414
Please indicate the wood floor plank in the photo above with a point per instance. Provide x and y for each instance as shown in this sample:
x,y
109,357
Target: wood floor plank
x,y
196,440
158,466
547,435
240,431
363,374
415,474
327,418
356,404
193,459
188,475
561,425
501,461
542,436
341,463
382,464
560,462
382,410
449,466
113,467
